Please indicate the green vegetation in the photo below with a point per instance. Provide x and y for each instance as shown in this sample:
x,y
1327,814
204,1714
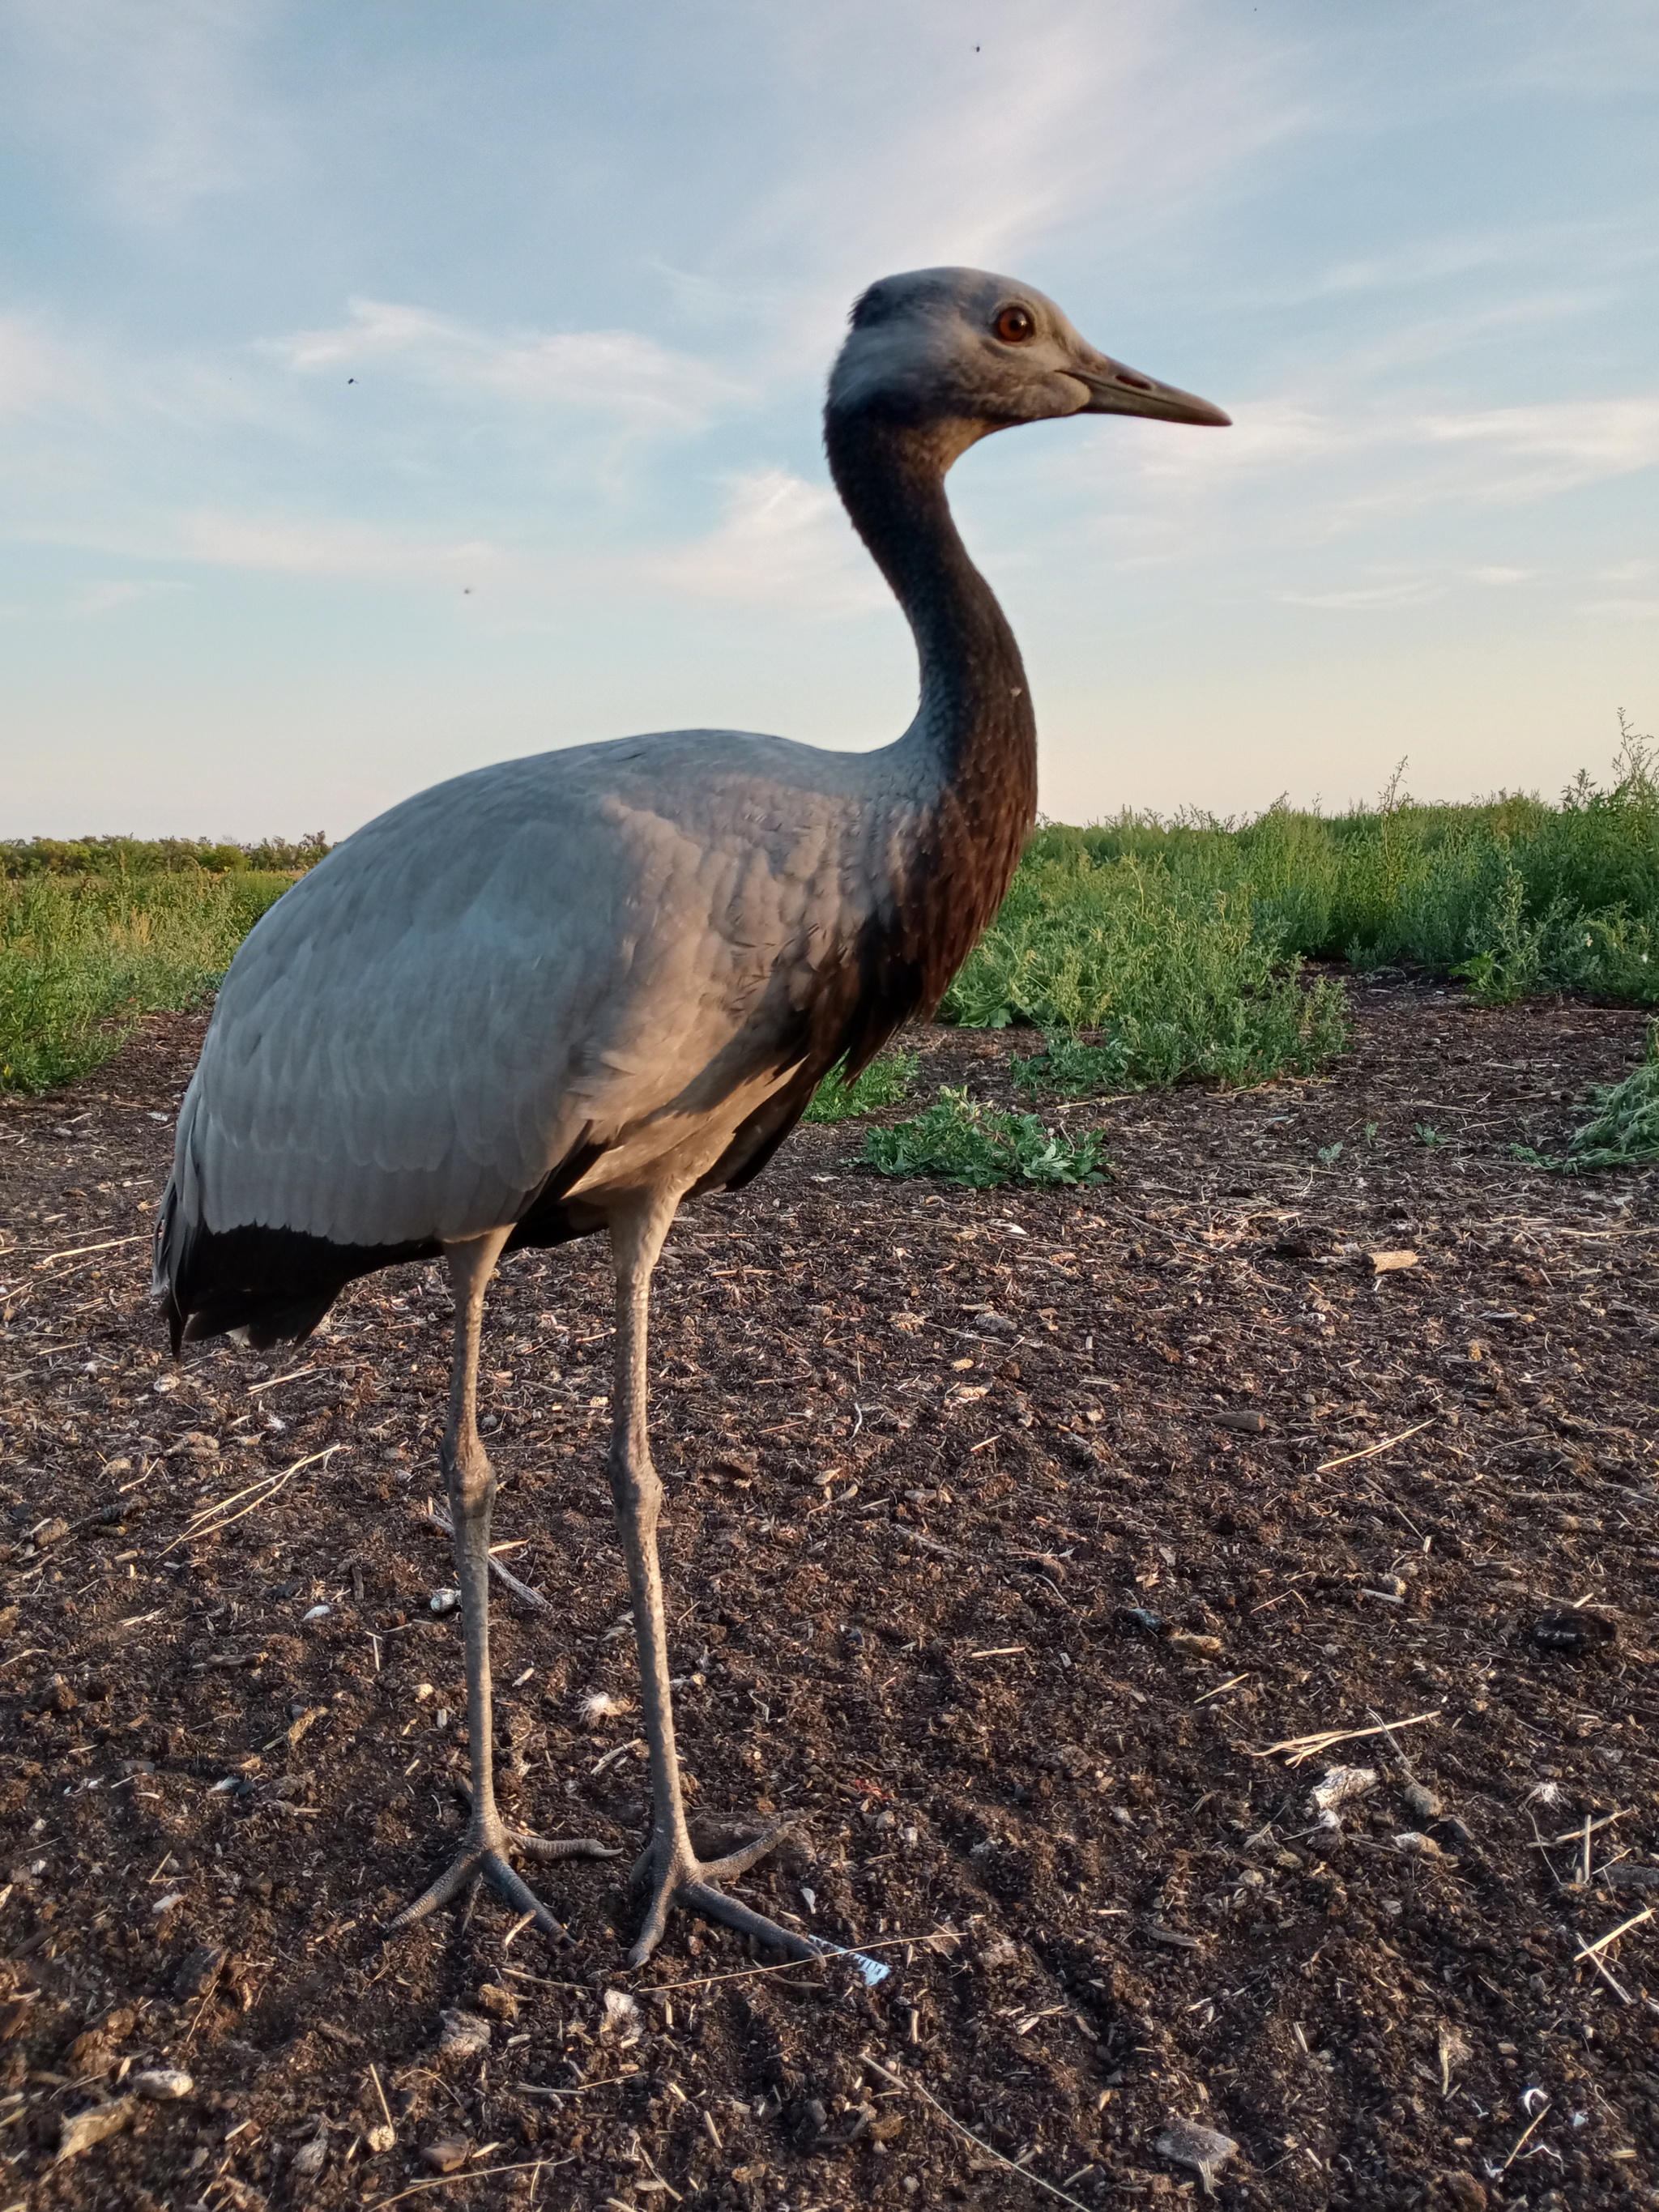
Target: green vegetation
x,y
1147,928
82,955
1176,947
883,1083
982,1146
1068,1068
1624,1133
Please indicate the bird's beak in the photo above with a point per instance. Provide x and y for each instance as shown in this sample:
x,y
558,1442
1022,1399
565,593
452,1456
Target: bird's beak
x,y
1114,389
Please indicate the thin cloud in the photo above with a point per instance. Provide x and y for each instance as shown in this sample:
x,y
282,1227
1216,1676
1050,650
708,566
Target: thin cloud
x,y
781,541
612,372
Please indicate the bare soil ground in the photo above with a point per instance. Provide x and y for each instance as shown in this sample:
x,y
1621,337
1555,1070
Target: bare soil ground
x,y
1007,1532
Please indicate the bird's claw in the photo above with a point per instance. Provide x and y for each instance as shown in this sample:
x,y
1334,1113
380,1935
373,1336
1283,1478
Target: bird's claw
x,y
679,1877
484,1858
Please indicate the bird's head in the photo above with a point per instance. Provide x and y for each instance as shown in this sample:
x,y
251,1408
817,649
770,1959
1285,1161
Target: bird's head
x,y
978,353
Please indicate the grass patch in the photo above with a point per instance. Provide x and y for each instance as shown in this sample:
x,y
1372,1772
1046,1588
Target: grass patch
x,y
82,956
983,1146
1173,966
885,1082
1624,1133
1068,1068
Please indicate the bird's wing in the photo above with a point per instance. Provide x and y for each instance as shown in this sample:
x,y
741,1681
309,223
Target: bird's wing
x,y
534,957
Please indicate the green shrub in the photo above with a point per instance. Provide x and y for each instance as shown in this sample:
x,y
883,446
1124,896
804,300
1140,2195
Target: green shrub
x,y
1624,1132
982,1146
883,1083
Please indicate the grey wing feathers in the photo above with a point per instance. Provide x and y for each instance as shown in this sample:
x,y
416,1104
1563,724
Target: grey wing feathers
x,y
546,951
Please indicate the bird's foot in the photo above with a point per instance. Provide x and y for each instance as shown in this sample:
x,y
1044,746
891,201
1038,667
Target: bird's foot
x,y
483,1858
679,1877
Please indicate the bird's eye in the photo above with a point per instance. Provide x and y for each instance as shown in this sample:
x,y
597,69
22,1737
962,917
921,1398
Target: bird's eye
x,y
1014,325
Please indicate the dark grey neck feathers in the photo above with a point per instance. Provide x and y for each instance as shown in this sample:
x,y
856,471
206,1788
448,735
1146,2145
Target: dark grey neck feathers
x,y
974,729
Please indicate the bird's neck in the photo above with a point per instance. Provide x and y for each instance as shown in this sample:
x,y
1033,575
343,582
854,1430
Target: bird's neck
x,y
970,756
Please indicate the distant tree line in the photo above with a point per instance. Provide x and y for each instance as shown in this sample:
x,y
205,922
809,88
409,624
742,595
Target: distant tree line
x,y
158,856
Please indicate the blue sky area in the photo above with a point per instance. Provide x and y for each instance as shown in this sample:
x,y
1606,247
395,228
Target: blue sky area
x,y
391,388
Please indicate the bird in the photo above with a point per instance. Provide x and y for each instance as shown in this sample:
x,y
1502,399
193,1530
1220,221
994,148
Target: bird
x,y
567,993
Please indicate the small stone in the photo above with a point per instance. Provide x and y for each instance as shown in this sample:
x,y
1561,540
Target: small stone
x,y
447,2154
1416,1846
1243,1424
464,2035
307,2161
1339,1785
318,1613
497,2000
444,1601
1386,1263
1464,2192
81,2130
51,1531
380,2138
1202,2148
1423,1803
90,2055
888,2129
162,2085
198,1973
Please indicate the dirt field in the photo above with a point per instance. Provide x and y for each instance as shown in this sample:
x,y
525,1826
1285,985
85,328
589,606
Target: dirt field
x,y
1006,1533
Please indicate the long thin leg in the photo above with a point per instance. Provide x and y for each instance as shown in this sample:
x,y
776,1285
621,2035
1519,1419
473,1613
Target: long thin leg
x,y
677,1875
471,1484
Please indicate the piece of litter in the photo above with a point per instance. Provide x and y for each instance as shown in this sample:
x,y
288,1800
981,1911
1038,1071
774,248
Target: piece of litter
x,y
1202,2148
1573,1631
873,1970
1385,1263
623,2017
445,1601
318,1613
600,1705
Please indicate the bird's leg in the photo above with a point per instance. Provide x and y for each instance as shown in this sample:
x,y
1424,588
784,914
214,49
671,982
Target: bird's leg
x,y
471,1484
676,1873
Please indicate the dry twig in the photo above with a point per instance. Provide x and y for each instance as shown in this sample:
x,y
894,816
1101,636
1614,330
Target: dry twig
x,y
1371,1450
1309,1746
903,2082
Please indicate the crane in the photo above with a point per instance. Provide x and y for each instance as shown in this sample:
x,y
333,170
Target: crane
x,y
568,993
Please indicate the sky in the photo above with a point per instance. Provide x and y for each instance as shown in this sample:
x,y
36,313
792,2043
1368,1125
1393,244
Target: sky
x,y
392,389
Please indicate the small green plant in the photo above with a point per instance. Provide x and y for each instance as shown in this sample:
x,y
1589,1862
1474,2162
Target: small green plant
x,y
883,1083
983,1146
1624,1132
1070,1069
1372,1129
1330,1154
1426,1133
